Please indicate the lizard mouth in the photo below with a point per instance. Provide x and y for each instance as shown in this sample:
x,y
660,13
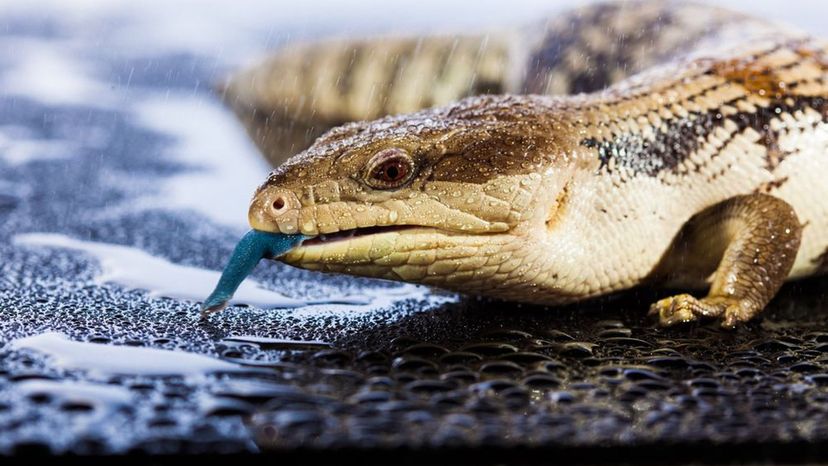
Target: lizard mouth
x,y
411,253
364,246
344,235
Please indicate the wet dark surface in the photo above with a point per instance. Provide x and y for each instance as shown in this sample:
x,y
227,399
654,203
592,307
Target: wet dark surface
x,y
467,374
592,383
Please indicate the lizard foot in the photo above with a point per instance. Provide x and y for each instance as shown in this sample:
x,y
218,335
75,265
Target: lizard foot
x,y
684,308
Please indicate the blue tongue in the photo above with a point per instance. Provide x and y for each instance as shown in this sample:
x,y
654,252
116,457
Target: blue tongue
x,y
253,246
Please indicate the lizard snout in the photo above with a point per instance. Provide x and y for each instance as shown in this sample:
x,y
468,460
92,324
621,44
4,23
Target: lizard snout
x,y
275,210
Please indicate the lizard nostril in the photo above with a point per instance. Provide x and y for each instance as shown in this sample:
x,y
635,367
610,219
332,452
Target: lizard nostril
x,y
276,210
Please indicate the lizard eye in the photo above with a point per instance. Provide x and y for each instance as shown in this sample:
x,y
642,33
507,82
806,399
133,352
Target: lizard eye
x,y
389,169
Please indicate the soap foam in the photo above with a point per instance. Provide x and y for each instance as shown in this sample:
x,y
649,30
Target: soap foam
x,y
110,360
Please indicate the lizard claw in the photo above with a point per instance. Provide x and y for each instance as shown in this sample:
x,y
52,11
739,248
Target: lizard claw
x,y
685,308
675,310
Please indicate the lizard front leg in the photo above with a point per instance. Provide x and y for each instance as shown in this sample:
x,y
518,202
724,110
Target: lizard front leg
x,y
755,239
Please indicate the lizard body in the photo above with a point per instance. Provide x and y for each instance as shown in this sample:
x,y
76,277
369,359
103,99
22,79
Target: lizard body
x,y
697,161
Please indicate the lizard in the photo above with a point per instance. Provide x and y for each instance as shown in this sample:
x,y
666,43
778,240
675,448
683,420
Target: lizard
x,y
626,144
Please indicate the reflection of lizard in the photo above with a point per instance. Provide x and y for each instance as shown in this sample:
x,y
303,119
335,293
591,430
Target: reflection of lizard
x,y
697,165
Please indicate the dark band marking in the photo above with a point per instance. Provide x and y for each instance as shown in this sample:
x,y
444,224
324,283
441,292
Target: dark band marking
x,y
822,261
345,80
443,57
770,186
600,65
662,29
400,63
679,138
548,58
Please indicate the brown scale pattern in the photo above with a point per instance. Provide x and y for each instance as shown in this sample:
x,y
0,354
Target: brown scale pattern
x,y
677,137
676,140
822,261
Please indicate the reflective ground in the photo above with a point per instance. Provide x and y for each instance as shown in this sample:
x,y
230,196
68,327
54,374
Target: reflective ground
x,y
133,149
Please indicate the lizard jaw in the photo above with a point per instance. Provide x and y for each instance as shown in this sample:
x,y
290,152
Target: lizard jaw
x,y
343,235
411,254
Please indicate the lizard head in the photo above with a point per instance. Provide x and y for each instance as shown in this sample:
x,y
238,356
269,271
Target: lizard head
x,y
445,197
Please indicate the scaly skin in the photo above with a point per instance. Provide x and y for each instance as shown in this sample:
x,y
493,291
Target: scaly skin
x,y
706,170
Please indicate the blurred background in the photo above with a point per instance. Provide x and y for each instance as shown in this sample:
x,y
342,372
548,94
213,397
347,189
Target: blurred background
x,y
157,60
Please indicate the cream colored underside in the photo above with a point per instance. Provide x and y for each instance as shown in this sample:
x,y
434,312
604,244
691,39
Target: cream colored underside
x,y
632,223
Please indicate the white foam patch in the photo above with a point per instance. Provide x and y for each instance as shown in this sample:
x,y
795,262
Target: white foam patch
x,y
135,269
109,360
226,167
51,73
18,147
76,392
14,188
